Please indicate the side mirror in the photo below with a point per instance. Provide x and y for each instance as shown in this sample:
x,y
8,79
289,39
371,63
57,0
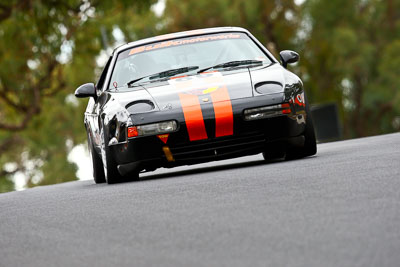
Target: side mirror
x,y
288,56
86,90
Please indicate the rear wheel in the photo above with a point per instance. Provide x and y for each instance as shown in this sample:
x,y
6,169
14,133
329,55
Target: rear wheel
x,y
310,144
98,171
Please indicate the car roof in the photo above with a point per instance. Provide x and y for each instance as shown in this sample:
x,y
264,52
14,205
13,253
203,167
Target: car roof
x,y
175,35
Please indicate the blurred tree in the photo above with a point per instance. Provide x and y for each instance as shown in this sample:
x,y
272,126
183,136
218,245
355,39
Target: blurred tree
x,y
350,55
274,23
47,48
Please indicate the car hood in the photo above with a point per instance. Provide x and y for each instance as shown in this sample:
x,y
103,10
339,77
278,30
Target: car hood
x,y
238,83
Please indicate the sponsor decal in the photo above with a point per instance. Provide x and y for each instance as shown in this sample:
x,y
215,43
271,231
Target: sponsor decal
x,y
210,90
202,84
184,41
299,100
163,137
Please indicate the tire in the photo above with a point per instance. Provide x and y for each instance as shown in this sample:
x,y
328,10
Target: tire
x,y
310,143
111,173
97,164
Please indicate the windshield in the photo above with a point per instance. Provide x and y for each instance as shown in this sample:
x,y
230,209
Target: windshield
x,y
202,51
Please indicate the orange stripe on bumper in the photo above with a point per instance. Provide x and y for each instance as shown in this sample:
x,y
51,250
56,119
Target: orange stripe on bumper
x,y
223,112
193,117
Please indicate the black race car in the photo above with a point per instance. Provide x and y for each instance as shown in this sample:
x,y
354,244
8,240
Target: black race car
x,y
192,97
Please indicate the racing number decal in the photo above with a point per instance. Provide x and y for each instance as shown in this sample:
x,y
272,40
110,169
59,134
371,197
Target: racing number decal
x,y
206,83
223,112
193,117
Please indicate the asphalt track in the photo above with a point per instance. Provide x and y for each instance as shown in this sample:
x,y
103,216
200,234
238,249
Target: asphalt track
x,y
340,208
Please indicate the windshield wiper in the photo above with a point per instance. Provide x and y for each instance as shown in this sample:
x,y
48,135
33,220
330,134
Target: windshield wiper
x,y
232,64
164,74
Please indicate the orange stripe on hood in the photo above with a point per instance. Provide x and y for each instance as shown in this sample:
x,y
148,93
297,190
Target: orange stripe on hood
x,y
223,112
193,117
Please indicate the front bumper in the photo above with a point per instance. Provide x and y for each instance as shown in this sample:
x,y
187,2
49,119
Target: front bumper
x,y
250,137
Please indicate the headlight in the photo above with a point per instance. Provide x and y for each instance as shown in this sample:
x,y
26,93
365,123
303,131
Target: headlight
x,y
266,112
152,129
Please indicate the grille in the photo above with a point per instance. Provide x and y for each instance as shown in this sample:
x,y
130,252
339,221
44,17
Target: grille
x,y
219,147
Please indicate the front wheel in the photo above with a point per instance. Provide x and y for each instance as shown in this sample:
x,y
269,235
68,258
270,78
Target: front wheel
x,y
98,172
310,143
111,172
109,165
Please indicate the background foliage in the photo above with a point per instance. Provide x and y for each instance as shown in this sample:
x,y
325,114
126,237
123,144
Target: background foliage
x,y
349,55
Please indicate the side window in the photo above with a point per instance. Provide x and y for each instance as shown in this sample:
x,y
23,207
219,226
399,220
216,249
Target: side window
x,y
103,75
